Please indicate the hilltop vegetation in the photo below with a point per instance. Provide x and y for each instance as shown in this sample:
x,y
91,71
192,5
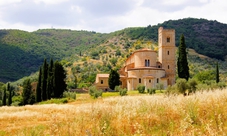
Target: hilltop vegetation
x,y
21,53
206,37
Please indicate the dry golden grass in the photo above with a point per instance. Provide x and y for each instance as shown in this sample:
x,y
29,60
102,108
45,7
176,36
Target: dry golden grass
x,y
199,114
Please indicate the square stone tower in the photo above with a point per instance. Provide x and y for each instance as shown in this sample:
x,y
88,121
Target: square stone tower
x,y
166,52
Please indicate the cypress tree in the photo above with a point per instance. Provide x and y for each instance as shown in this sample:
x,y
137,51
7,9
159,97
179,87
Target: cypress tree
x,y
182,63
10,94
4,97
38,87
217,73
59,80
114,79
50,80
44,80
27,92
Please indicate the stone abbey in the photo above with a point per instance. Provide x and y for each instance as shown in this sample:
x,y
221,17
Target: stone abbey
x,y
147,67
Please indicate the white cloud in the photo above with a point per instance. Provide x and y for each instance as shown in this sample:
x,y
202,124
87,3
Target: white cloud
x,y
50,1
173,2
8,2
104,15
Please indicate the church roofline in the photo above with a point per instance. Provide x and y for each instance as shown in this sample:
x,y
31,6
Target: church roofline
x,y
141,50
146,68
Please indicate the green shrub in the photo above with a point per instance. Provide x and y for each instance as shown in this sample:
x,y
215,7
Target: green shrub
x,y
123,92
192,83
94,92
71,95
83,85
17,100
182,85
202,87
117,88
141,88
56,101
171,90
151,90
71,85
221,85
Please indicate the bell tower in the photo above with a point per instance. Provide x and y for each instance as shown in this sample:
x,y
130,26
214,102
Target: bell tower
x,y
166,52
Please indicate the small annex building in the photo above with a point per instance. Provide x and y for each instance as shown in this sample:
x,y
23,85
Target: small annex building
x,y
147,67
101,81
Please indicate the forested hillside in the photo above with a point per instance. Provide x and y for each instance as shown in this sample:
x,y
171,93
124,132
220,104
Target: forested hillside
x,y
21,53
206,37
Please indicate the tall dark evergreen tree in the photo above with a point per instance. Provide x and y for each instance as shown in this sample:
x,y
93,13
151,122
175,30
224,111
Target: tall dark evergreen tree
x,y
10,94
4,97
44,80
182,63
59,80
50,80
217,73
27,92
38,87
114,79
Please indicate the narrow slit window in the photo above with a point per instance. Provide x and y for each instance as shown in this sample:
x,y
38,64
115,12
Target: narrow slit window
x,y
101,81
157,80
168,66
168,39
139,80
168,52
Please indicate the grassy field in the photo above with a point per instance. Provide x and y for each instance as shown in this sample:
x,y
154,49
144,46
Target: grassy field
x,y
204,113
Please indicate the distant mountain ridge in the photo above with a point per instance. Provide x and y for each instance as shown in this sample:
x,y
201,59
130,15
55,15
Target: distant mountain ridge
x,y
21,52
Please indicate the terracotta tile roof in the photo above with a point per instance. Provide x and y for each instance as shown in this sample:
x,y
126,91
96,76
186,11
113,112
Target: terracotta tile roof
x,y
102,75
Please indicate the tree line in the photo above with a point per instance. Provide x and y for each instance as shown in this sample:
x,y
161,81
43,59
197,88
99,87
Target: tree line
x,y
7,98
51,81
50,84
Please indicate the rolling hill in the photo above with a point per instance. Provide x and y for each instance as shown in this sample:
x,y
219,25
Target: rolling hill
x,y
21,52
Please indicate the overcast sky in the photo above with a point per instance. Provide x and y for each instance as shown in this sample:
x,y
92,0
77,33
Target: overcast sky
x,y
104,15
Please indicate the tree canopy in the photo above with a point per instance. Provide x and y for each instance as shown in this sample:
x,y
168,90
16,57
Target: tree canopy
x,y
114,79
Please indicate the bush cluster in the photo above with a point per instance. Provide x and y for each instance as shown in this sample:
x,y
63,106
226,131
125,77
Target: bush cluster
x,y
117,88
121,91
191,86
71,95
141,88
93,91
151,90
